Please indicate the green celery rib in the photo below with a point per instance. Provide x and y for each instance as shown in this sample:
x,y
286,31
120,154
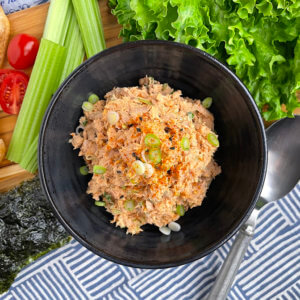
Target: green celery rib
x,y
29,161
74,47
90,24
58,18
44,81
74,57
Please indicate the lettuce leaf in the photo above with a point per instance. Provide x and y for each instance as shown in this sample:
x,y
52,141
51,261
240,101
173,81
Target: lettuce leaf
x,y
258,40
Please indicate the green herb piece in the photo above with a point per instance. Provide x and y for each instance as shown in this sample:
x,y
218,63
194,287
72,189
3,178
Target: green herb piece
x,y
207,102
145,101
93,98
129,204
180,210
87,106
155,155
90,24
191,116
185,144
99,169
213,140
84,122
99,203
152,141
84,170
165,86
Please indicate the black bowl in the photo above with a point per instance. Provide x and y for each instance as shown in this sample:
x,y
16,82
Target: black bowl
x,y
242,154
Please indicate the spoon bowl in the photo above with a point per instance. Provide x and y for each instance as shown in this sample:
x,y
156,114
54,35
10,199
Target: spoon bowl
x,y
283,169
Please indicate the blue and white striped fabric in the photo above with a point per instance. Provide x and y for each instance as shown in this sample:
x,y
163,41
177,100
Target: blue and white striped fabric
x,y
270,270
11,6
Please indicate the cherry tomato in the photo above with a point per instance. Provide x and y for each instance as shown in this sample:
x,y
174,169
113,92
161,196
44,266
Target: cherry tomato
x,y
22,51
12,91
3,74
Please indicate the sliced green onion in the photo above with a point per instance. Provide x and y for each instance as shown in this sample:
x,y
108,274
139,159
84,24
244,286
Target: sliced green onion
x,y
129,204
84,170
152,141
180,210
145,101
87,106
99,169
74,46
191,116
90,24
150,80
112,117
165,86
207,102
149,170
42,84
213,140
139,167
185,144
99,203
93,98
155,155
124,126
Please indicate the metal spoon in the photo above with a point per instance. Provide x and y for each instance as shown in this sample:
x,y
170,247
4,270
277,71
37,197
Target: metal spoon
x,y
283,173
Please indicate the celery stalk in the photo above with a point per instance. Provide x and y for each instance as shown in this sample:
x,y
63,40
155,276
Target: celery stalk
x,y
29,161
58,19
74,47
90,24
42,84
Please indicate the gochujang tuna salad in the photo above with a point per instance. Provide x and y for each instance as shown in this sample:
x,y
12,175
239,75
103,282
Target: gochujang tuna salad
x,y
150,151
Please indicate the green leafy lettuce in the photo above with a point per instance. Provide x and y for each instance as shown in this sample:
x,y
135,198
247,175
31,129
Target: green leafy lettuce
x,y
258,40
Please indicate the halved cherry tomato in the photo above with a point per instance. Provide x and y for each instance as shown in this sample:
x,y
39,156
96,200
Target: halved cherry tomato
x,y
12,91
3,74
22,51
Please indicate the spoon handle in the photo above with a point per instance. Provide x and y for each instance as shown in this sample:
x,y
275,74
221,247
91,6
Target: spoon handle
x,y
232,262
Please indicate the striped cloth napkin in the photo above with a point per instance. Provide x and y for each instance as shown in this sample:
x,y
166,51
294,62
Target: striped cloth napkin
x,y
270,270
11,6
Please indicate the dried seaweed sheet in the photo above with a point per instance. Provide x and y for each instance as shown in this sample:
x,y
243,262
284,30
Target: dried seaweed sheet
x,y
28,229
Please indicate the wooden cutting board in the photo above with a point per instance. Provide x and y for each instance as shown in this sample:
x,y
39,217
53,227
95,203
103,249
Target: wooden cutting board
x,y
32,21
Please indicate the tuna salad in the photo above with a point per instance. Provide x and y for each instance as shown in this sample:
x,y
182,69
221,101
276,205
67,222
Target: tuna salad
x,y
150,152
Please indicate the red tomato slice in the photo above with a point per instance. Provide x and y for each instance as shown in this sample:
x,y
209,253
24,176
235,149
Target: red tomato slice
x,y
22,51
12,91
3,74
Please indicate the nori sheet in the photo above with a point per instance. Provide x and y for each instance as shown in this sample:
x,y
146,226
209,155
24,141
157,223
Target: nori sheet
x,y
28,229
